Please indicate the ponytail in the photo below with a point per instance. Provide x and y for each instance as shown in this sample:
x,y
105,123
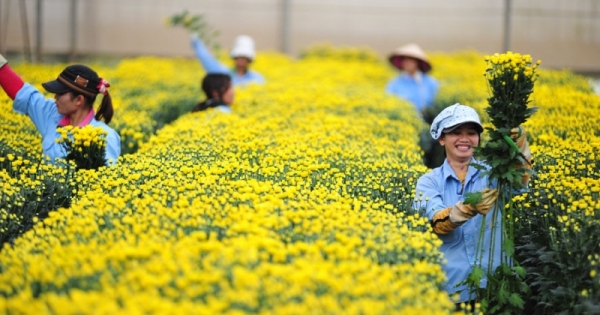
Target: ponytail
x,y
106,110
213,83
214,102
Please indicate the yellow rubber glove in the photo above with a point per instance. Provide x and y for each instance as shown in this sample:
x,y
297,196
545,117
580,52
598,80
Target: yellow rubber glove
x,y
448,219
3,61
488,198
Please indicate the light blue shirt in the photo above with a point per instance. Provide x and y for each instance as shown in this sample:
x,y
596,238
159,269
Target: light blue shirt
x,y
442,189
45,116
421,94
212,65
223,109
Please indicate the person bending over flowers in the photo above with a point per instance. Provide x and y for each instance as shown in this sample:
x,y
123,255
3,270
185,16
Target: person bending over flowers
x,y
219,93
75,91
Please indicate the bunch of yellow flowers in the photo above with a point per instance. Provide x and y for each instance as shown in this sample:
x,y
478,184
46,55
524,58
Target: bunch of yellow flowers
x,y
86,146
501,65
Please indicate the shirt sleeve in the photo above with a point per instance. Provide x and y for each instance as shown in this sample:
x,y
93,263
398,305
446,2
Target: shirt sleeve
x,y
258,78
208,61
42,111
428,196
389,87
113,147
10,81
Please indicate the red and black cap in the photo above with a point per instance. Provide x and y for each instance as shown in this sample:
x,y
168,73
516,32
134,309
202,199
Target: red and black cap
x,y
78,78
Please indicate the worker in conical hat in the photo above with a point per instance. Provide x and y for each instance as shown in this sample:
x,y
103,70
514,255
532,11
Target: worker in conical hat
x,y
413,84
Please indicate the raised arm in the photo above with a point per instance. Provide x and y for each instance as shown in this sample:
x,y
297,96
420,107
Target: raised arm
x,y
27,99
10,81
208,61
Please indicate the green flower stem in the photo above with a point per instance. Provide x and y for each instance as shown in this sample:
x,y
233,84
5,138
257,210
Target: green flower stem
x,y
511,219
511,143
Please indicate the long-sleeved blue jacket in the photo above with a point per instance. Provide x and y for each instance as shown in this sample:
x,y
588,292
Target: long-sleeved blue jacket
x,y
45,116
441,188
212,65
420,93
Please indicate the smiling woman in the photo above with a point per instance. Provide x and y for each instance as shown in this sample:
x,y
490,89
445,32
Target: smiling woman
x,y
458,222
75,91
460,141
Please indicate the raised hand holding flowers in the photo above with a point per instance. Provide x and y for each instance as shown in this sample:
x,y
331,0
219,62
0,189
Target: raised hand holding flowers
x,y
197,26
511,78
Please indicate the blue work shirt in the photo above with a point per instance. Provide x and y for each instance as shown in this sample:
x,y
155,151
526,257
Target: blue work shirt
x,y
420,93
440,189
212,65
223,109
45,116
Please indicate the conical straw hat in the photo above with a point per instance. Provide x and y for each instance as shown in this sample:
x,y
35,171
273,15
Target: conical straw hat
x,y
413,51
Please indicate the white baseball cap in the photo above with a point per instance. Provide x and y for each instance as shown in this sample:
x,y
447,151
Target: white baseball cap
x,y
452,117
243,46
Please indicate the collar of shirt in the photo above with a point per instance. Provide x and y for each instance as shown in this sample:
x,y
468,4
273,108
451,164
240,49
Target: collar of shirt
x,y
447,170
65,121
417,77
224,108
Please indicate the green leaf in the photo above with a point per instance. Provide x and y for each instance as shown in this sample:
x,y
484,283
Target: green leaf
x,y
503,296
472,198
508,247
510,177
483,305
520,271
475,276
516,300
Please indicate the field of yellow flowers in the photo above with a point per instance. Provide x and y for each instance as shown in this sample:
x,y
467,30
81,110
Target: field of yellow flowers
x,y
299,202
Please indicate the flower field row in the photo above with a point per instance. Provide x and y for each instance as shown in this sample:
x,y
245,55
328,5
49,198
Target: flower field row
x,y
290,205
298,202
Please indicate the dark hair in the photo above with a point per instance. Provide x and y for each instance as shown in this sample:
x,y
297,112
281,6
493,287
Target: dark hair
x,y
213,82
82,80
105,111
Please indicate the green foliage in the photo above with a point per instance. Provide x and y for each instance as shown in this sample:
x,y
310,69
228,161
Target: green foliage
x,y
472,198
195,24
509,291
511,78
170,111
38,193
559,258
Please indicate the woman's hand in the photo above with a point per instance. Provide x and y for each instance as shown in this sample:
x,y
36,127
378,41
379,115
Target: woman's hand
x,y
448,219
488,198
519,136
3,61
